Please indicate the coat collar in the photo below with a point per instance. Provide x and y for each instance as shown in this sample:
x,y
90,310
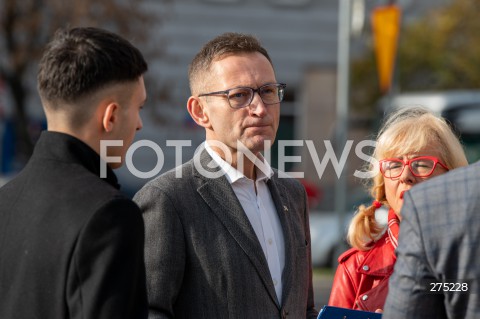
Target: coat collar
x,y
220,197
69,149
282,204
379,260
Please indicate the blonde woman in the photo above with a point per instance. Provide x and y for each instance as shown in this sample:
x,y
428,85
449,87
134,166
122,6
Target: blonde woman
x,y
413,145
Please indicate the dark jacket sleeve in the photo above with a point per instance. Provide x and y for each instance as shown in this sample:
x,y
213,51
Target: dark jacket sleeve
x,y
164,251
408,295
312,312
107,272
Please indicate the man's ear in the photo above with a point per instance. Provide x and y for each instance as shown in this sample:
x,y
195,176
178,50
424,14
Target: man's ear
x,y
109,117
198,112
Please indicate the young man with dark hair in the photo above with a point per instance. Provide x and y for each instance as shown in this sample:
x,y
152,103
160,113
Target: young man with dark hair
x,y
71,245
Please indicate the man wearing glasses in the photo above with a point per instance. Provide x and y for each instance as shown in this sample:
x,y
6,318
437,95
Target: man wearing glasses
x,y
225,236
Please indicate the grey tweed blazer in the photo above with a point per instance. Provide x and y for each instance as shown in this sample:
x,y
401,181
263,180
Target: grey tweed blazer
x,y
439,243
203,259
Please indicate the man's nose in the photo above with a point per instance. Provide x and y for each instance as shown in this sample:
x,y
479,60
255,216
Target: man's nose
x,y
257,106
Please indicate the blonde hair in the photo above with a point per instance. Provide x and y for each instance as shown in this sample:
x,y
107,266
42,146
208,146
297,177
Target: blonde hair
x,y
406,131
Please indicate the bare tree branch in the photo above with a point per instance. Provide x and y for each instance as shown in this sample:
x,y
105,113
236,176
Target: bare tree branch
x,y
27,25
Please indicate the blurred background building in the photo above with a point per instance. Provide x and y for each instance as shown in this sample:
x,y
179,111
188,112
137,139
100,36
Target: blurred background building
x,y
438,51
301,36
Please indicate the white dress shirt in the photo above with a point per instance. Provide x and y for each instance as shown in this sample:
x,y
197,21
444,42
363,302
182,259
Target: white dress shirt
x,y
261,212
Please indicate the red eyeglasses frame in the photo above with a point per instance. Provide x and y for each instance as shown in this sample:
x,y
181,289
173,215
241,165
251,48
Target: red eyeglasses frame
x,y
407,163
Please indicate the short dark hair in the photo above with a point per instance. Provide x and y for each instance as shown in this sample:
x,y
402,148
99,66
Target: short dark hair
x,y
223,45
80,61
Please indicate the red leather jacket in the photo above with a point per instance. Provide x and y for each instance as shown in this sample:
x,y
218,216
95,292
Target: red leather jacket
x,y
361,279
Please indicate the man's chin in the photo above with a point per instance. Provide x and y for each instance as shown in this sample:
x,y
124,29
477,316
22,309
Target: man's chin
x,y
259,144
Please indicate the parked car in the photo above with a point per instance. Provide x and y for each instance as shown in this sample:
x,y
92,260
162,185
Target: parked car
x,y
327,242
460,107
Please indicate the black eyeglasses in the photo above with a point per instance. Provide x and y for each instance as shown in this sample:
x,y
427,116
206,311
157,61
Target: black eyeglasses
x,y
422,166
243,96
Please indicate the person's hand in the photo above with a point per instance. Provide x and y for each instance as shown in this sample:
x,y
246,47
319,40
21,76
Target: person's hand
x,y
379,311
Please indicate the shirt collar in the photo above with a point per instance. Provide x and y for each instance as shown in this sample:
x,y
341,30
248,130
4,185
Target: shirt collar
x,y
232,174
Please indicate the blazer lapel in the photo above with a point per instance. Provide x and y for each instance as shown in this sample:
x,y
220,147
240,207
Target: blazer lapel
x,y
220,197
282,204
